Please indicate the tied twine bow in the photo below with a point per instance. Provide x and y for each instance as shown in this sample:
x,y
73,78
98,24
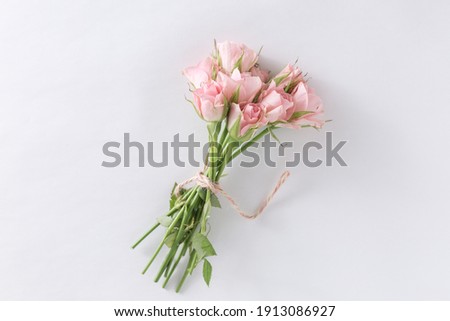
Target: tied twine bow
x,y
203,181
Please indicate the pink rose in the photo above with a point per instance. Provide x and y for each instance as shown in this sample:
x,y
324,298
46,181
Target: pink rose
x,y
278,104
209,102
259,72
289,78
232,55
307,107
248,85
244,119
200,74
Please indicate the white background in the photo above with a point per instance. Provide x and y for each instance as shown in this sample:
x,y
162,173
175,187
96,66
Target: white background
x,y
74,75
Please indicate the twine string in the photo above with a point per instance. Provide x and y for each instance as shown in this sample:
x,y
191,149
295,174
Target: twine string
x,y
203,181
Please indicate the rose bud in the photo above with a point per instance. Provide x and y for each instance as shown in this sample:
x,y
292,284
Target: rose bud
x,y
209,102
243,120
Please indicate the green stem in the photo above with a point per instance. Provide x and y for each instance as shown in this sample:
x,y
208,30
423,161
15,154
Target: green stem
x,y
227,151
169,230
145,235
172,210
191,203
243,147
180,255
223,138
154,256
186,272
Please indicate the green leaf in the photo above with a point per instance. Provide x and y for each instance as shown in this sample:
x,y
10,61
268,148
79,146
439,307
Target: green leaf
x,y
216,54
291,86
299,114
226,107
202,193
235,97
164,220
202,246
234,131
173,197
170,239
238,63
193,105
205,214
173,188
172,201
214,73
207,271
215,201
279,79
194,262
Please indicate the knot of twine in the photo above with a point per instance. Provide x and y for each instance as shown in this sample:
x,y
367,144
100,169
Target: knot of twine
x,y
203,181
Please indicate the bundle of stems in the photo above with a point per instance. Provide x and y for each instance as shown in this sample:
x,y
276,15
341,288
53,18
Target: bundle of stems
x,y
186,222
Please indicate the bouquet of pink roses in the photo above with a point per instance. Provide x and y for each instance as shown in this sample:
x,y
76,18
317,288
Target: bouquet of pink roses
x,y
240,103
